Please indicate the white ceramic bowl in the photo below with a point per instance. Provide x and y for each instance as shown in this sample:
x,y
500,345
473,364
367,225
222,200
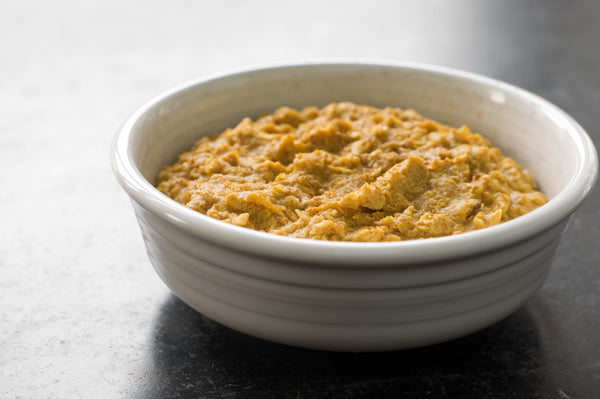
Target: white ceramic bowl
x,y
354,296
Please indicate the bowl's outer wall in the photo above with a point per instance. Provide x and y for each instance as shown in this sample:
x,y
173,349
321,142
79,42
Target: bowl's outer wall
x,y
357,309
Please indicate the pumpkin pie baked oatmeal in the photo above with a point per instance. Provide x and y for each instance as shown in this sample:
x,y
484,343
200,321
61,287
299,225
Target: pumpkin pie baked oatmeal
x,y
350,172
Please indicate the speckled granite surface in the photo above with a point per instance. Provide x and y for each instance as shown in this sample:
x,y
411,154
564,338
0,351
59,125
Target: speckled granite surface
x,y
82,313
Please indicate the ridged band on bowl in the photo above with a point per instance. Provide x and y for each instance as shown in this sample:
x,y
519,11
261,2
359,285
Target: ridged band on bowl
x,y
309,315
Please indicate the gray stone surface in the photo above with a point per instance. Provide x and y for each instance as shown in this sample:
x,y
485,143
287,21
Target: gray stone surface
x,y
82,313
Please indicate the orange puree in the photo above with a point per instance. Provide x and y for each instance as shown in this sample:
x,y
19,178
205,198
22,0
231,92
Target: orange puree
x,y
351,172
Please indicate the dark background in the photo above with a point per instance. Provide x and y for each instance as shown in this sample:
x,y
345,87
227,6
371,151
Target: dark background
x,y
82,313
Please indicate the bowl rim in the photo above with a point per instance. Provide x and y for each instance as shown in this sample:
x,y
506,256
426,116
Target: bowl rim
x,y
287,248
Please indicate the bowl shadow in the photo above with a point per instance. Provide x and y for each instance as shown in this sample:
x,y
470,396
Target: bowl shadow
x,y
193,356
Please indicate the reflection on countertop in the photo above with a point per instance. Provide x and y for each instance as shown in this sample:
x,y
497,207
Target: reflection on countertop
x,y
194,356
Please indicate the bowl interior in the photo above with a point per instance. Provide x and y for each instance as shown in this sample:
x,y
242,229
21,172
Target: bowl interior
x,y
515,122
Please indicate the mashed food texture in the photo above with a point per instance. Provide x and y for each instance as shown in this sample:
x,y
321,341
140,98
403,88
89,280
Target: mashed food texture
x,y
350,172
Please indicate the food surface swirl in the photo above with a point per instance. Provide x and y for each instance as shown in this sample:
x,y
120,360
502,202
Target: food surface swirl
x,y
350,172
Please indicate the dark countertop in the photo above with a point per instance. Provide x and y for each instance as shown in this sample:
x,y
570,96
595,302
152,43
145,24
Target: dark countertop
x,y
82,313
